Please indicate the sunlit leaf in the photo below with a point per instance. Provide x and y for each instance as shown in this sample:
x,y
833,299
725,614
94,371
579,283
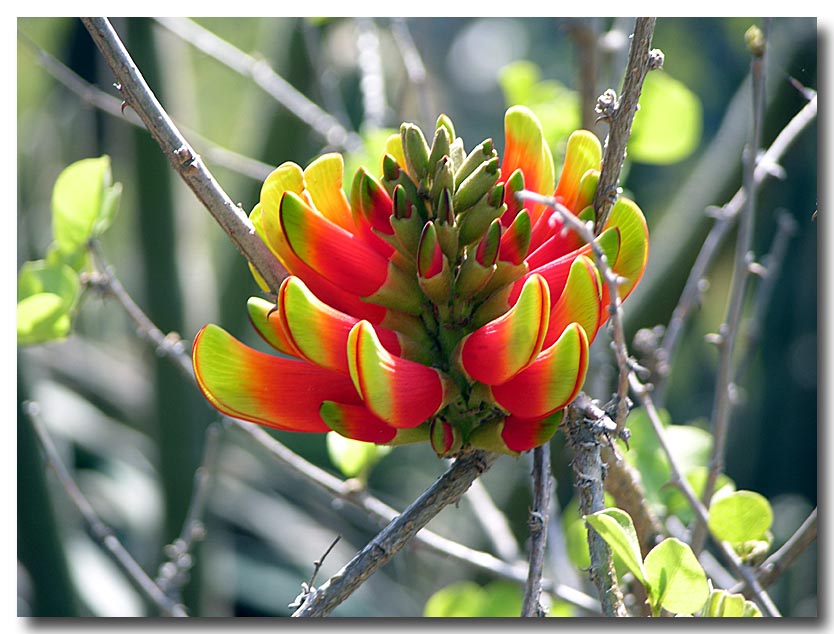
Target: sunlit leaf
x,y
42,277
724,604
676,580
617,529
83,202
352,457
468,599
676,502
41,317
667,127
741,517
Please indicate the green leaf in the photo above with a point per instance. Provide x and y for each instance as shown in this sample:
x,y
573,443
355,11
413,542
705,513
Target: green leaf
x,y
676,580
740,517
83,202
616,528
352,457
468,599
41,317
41,276
690,445
723,604
667,127
556,106
676,502
76,260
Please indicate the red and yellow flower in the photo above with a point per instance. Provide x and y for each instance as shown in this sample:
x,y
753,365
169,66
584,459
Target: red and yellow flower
x,y
430,303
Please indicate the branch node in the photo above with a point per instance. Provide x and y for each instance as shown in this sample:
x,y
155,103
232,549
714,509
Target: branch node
x,y
656,59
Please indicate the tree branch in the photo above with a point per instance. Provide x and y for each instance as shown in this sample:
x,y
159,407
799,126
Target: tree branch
x,y
100,533
448,489
620,115
182,157
259,71
537,522
773,567
720,230
728,331
678,479
585,438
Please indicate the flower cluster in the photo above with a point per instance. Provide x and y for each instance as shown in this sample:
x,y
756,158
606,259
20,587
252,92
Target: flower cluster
x,y
430,303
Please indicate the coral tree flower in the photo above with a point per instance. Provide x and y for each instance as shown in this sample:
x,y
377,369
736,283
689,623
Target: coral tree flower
x,y
429,303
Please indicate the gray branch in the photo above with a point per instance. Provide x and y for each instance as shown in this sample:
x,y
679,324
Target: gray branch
x,y
185,161
448,489
620,115
537,522
101,534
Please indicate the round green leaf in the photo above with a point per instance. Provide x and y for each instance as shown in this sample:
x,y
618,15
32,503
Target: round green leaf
x,y
352,457
676,580
42,276
723,604
467,598
667,127
740,517
616,528
77,201
676,501
41,317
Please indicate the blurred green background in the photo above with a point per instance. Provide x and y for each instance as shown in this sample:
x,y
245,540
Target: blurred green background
x,y
133,428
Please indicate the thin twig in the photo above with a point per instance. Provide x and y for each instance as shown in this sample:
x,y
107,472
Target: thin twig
x,y
622,481
620,115
678,479
101,534
173,573
414,68
264,76
728,331
537,522
584,438
447,489
773,567
371,82
493,521
182,157
720,230
771,265
97,98
612,281
307,587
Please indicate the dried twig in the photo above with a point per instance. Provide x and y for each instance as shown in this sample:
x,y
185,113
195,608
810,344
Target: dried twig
x,y
259,71
446,490
537,522
728,331
101,534
720,230
97,98
620,115
173,573
183,158
585,438
677,479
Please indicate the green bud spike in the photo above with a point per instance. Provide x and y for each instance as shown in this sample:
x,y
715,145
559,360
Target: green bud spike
x,y
488,437
356,192
390,168
477,184
481,153
444,208
433,271
407,231
445,122
487,251
506,273
416,152
472,277
515,243
446,440
439,148
496,196
394,175
402,208
443,179
474,221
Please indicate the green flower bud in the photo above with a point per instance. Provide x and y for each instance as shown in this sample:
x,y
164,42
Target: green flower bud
x,y
477,184
416,152
445,122
443,179
439,148
481,153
